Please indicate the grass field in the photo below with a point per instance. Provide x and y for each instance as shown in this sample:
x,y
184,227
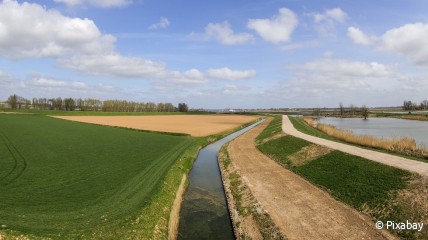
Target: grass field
x,y
65,179
363,184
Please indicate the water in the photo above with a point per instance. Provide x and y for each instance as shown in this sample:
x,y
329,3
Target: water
x,y
204,213
383,127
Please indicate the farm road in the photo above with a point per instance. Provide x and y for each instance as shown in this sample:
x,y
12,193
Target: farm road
x,y
387,159
299,209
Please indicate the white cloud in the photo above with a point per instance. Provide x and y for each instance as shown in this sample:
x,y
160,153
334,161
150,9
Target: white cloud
x,y
163,23
46,82
345,68
30,30
359,37
115,65
334,14
96,3
224,34
333,80
409,40
277,29
325,23
228,74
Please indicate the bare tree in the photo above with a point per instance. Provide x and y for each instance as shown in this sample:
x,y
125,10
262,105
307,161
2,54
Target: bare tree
x,y
341,109
364,112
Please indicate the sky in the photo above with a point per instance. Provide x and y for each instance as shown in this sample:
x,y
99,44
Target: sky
x,y
217,54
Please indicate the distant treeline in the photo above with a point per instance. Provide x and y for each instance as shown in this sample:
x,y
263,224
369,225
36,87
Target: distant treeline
x,y
409,105
91,104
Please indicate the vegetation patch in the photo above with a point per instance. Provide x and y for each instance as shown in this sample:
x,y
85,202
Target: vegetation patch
x,y
307,154
281,148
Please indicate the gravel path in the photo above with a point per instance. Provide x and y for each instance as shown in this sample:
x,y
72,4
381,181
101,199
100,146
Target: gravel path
x,y
299,209
387,159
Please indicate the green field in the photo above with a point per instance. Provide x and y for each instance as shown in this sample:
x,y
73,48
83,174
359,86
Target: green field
x,y
64,179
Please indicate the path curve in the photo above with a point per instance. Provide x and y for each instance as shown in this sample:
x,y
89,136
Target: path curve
x,y
387,159
298,208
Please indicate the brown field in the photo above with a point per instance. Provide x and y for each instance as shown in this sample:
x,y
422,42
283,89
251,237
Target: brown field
x,y
195,125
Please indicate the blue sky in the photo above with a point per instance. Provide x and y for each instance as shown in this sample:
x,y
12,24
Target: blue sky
x,y
217,54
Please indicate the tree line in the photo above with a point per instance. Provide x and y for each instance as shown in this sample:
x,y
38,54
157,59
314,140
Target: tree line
x,y
411,106
91,104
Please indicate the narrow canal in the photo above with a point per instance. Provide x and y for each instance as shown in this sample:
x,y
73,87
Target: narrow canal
x,y
204,213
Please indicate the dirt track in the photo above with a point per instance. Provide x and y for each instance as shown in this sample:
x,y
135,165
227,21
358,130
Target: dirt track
x,y
195,125
391,160
299,209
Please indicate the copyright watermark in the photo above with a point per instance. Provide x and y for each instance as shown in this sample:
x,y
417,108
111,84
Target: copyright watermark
x,y
391,225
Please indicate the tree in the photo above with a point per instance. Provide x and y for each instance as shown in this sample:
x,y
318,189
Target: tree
x,y
69,104
182,107
364,112
352,109
424,104
13,101
341,109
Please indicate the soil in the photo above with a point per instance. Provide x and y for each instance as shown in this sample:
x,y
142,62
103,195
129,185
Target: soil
x,y
299,209
195,125
387,159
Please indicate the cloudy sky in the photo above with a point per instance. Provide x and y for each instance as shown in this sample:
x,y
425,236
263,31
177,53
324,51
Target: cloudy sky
x,y
217,54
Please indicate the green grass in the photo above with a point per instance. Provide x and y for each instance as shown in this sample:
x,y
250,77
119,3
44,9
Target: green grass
x,y
274,128
282,147
64,179
354,180
303,127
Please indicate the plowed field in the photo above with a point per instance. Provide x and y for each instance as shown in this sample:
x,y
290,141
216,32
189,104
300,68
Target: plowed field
x,y
195,125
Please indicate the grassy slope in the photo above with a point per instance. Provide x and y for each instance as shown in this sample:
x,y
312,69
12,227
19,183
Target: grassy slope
x,y
356,181
69,178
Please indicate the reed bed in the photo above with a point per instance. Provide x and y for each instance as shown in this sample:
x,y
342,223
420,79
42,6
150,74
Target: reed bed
x,y
404,145
415,117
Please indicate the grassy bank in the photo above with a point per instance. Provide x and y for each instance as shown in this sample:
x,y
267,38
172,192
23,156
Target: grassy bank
x,y
367,186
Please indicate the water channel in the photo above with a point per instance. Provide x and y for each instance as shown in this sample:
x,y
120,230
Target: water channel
x,y
383,127
204,213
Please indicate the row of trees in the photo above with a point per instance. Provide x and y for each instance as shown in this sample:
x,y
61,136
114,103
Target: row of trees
x,y
353,110
411,106
91,104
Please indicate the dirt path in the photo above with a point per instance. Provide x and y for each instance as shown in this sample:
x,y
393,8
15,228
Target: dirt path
x,y
299,209
387,159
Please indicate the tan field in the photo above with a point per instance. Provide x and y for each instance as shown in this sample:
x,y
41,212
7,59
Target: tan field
x,y
195,125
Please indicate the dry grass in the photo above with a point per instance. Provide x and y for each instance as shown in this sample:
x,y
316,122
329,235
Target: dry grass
x,y
404,145
415,117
